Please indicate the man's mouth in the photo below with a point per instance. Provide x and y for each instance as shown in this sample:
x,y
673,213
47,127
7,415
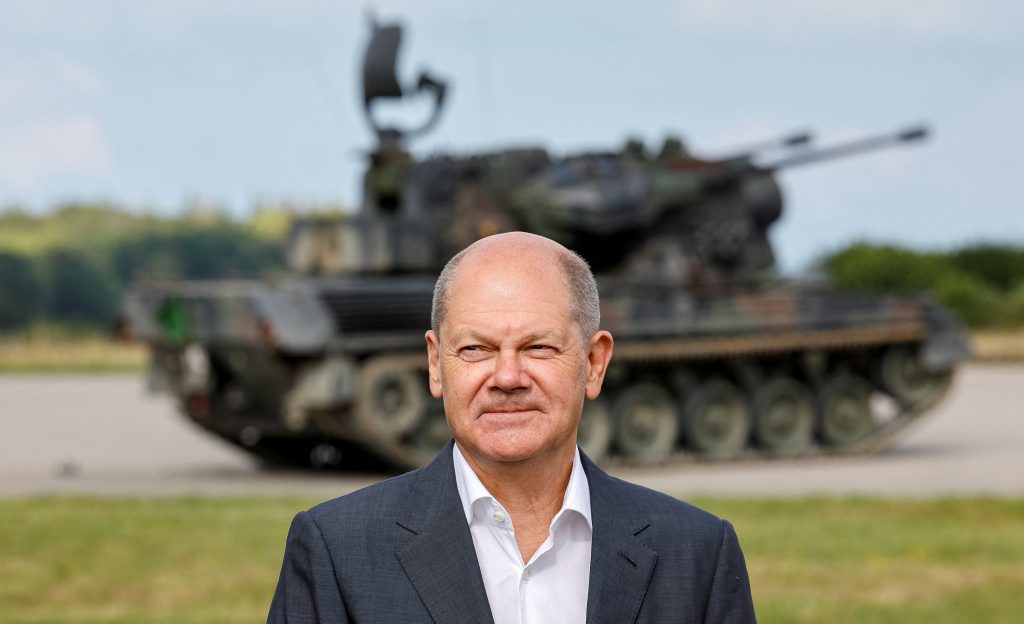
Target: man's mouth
x,y
505,409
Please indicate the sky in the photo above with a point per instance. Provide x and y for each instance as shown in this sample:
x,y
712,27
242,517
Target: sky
x,y
158,105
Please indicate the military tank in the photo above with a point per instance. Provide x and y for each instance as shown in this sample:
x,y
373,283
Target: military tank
x,y
716,358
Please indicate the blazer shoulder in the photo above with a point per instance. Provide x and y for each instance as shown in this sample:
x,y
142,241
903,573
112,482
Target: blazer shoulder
x,y
669,525
663,510
378,501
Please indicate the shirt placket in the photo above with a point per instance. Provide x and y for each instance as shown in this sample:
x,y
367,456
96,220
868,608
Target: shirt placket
x,y
505,530
528,573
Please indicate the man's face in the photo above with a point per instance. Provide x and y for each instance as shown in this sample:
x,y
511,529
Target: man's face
x,y
510,363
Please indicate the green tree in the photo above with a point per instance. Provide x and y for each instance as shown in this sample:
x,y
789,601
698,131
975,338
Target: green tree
x,y
983,284
196,253
1012,310
20,292
884,269
78,288
971,299
999,266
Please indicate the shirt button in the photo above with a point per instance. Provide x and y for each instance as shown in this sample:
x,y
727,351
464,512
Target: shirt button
x,y
526,575
499,517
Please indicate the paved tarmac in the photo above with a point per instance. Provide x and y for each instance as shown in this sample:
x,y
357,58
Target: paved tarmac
x,y
104,435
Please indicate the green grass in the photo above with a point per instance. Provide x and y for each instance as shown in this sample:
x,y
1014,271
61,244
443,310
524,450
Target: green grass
x,y
217,560
865,560
160,560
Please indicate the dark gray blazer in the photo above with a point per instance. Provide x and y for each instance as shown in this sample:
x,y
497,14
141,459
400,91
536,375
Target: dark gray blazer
x,y
401,551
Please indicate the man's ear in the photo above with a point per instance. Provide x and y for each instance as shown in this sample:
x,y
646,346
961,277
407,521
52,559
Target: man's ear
x,y
599,353
434,363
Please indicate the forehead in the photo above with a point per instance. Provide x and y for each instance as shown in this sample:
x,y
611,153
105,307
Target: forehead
x,y
516,291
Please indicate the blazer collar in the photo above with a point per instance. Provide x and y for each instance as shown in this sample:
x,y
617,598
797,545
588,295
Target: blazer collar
x,y
621,565
576,497
440,559
441,562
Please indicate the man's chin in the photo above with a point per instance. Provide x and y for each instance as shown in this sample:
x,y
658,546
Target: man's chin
x,y
514,449
511,456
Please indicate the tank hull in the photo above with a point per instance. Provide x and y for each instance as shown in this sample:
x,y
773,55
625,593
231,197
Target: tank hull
x,y
784,370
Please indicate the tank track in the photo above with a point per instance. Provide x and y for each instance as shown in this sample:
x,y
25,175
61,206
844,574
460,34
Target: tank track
x,y
812,357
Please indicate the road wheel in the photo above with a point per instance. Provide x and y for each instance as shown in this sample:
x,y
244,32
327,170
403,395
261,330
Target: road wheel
x,y
646,424
783,416
716,420
594,434
901,372
392,399
844,411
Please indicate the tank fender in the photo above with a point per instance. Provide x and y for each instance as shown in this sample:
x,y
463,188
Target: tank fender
x,y
327,384
947,342
297,322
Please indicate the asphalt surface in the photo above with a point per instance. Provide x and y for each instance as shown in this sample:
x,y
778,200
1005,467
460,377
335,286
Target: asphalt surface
x,y
104,435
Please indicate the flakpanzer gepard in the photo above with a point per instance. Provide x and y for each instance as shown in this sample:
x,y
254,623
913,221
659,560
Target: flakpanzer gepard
x,y
715,357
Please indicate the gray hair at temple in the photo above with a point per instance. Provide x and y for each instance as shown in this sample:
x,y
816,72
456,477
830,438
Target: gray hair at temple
x,y
585,304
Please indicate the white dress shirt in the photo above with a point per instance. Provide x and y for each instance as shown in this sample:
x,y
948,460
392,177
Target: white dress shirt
x,y
553,585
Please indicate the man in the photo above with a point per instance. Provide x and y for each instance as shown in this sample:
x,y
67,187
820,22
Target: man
x,y
511,523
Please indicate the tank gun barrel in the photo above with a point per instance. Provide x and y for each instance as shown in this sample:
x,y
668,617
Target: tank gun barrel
x,y
751,150
741,168
850,148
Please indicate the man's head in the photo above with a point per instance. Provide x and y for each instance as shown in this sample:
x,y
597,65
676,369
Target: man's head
x,y
580,285
515,346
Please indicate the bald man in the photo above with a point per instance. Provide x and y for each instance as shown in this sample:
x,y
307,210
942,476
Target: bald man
x,y
511,523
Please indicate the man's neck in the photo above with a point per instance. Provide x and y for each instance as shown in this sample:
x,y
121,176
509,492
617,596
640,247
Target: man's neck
x,y
531,491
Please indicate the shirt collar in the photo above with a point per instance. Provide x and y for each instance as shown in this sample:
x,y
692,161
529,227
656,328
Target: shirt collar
x,y
471,490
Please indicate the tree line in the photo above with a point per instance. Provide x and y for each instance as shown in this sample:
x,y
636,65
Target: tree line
x,y
983,283
72,266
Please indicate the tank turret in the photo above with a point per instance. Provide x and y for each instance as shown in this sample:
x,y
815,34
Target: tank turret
x,y
710,216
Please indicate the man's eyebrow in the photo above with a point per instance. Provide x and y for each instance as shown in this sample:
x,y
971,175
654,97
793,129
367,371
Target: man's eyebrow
x,y
461,335
544,335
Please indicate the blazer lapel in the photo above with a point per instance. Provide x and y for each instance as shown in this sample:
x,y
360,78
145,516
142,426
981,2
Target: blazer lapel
x,y
621,565
440,559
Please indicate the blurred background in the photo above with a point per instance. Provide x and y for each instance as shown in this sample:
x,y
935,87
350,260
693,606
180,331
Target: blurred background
x,y
181,140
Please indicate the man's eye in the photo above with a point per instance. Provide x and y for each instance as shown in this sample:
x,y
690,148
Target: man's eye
x,y
472,353
541,350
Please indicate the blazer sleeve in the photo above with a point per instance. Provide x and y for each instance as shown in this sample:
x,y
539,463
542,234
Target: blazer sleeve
x,y
308,588
730,600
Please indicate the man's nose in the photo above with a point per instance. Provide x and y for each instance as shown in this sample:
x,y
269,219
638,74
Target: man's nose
x,y
509,374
